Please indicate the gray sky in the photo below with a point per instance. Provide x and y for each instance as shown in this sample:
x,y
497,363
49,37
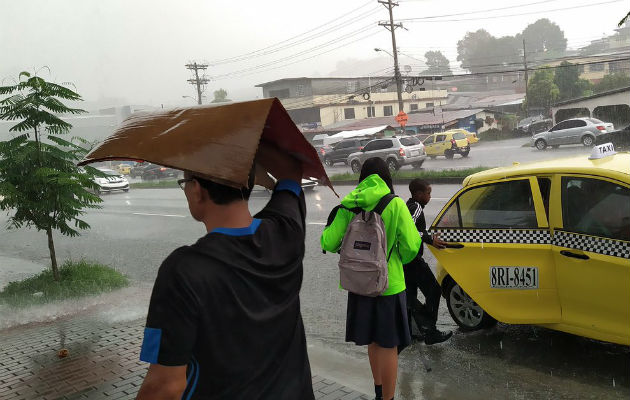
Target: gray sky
x,y
135,51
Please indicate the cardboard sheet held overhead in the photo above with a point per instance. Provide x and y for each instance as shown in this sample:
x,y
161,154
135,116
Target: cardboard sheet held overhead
x,y
216,142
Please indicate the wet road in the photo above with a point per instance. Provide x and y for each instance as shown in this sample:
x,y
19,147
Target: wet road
x,y
135,231
491,154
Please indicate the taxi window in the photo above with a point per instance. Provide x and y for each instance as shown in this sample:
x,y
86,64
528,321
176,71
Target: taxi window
x,y
499,205
440,138
458,136
596,207
429,140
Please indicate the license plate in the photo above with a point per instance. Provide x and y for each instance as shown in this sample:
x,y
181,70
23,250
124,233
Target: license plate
x,y
414,152
514,277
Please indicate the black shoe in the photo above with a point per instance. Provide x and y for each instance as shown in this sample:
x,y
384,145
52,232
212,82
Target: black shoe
x,y
417,338
434,336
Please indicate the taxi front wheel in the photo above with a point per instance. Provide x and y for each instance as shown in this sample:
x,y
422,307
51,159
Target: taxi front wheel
x,y
464,310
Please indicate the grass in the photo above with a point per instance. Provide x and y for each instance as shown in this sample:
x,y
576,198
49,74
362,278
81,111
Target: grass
x,y
424,174
154,184
78,279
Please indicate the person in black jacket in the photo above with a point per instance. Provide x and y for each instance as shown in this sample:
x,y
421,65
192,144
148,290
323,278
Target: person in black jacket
x,y
418,274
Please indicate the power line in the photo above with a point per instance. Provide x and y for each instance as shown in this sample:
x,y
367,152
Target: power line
x,y
471,74
255,70
255,52
478,11
311,49
423,19
334,98
304,40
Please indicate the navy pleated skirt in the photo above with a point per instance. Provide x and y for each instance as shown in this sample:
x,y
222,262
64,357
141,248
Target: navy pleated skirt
x,y
381,320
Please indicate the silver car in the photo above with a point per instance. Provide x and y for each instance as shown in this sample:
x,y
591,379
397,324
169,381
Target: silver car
x,y
395,151
572,131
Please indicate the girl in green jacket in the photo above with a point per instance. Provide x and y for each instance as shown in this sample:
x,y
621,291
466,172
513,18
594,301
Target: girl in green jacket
x,y
379,322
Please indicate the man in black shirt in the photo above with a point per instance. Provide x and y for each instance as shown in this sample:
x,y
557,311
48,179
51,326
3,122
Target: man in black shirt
x,y
224,320
418,274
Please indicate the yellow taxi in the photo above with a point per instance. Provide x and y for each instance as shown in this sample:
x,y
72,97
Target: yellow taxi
x,y
471,136
546,243
123,169
446,144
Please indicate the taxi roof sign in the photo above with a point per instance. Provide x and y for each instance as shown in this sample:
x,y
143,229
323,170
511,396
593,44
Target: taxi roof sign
x,y
603,150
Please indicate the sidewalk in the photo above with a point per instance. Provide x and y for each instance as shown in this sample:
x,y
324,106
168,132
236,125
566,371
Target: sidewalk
x,y
103,362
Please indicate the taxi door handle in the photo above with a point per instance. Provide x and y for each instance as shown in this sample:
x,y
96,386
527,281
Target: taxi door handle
x,y
574,255
454,246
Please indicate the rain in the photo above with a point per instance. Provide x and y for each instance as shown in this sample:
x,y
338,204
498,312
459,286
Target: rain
x,y
127,58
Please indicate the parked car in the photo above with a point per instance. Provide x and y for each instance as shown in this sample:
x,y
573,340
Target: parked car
x,y
113,181
395,151
523,126
341,150
542,125
447,144
546,243
572,131
154,171
619,138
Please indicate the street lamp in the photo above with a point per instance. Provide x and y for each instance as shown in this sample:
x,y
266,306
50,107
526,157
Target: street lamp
x,y
397,77
189,97
384,51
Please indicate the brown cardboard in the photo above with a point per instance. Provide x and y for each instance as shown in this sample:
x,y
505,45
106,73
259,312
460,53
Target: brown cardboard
x,y
217,142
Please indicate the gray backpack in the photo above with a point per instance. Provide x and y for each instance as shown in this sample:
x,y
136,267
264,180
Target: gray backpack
x,y
363,253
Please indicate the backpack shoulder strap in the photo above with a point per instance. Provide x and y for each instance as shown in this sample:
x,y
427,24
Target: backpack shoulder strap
x,y
333,213
383,202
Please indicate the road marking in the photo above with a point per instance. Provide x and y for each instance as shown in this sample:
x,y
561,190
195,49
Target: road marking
x,y
316,223
161,215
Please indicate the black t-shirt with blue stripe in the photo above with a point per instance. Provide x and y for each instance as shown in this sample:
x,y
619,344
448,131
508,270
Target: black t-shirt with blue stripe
x,y
228,307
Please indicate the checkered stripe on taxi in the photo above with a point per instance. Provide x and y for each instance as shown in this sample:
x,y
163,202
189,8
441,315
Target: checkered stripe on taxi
x,y
608,247
523,236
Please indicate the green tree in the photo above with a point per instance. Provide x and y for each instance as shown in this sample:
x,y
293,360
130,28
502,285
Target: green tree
x,y
543,39
220,96
567,79
437,64
475,50
542,92
479,51
39,179
612,81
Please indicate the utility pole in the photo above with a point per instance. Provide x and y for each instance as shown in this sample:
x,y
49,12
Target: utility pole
x,y
391,26
200,82
526,81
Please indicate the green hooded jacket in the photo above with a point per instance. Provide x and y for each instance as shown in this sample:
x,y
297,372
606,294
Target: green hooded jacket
x,y
399,227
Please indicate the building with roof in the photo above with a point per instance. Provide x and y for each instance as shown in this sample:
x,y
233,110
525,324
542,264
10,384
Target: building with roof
x,y
504,101
611,106
473,120
316,102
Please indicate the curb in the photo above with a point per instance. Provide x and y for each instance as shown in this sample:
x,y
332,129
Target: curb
x,y
444,180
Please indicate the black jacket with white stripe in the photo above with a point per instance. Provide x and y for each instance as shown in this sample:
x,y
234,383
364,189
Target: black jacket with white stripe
x,y
417,213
